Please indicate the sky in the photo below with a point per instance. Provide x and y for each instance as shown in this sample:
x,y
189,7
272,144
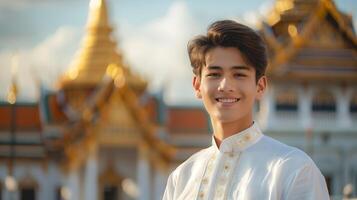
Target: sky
x,y
152,35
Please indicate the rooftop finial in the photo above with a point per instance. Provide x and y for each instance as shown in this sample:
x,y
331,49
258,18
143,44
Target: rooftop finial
x,y
12,94
94,4
98,14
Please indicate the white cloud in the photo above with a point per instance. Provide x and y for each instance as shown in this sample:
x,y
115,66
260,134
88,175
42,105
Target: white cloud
x,y
53,55
254,17
22,4
46,62
158,51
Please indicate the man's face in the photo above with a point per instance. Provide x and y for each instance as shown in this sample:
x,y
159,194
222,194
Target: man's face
x,y
227,86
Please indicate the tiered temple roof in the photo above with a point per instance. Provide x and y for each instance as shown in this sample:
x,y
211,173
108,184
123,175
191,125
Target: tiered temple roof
x,y
310,40
101,97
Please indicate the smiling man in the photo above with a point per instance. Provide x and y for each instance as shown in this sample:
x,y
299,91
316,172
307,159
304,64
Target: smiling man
x,y
229,65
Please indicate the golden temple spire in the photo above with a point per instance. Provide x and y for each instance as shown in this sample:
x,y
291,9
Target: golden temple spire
x,y
97,52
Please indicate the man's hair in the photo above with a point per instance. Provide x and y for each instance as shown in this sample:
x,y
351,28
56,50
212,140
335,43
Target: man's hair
x,y
228,33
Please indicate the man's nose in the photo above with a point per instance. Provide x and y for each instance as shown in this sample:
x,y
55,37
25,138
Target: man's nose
x,y
226,85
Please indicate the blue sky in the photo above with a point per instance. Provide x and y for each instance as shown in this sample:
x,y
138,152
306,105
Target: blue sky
x,y
27,23
151,34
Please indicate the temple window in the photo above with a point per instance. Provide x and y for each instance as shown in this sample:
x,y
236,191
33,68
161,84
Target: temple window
x,y
28,188
110,192
28,193
286,101
323,101
111,185
353,103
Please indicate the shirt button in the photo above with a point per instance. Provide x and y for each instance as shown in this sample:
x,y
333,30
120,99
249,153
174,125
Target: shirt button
x,y
213,157
247,137
226,167
201,195
205,181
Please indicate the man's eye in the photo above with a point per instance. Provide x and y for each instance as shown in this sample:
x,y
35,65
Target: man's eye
x,y
213,75
239,75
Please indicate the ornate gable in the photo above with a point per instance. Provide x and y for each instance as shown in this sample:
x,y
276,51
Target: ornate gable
x,y
311,40
326,36
116,124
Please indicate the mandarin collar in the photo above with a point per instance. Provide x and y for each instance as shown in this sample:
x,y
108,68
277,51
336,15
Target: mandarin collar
x,y
239,141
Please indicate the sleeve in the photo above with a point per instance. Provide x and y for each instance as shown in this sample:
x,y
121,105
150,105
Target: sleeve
x,y
170,188
306,184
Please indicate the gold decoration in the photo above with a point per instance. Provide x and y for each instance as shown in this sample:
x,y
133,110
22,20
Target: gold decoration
x,y
292,30
284,5
13,90
12,94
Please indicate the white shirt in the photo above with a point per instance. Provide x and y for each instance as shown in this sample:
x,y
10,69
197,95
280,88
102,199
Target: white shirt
x,y
247,166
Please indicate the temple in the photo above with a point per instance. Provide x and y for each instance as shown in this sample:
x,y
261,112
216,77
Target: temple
x,y
102,135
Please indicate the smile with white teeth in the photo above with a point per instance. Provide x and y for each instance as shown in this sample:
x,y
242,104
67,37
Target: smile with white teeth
x,y
227,100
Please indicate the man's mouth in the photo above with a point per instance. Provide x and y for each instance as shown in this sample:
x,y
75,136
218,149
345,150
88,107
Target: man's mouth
x,y
227,100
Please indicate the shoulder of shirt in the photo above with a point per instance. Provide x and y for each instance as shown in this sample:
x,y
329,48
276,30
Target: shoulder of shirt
x,y
288,154
193,159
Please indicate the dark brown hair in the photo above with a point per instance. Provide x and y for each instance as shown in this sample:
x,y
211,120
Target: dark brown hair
x,y
228,33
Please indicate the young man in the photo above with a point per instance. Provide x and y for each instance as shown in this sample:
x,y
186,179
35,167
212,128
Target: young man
x,y
229,65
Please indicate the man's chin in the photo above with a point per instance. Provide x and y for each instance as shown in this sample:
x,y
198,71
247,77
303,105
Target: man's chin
x,y
227,118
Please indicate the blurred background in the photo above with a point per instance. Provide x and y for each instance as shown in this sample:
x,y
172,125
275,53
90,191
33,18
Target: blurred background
x,y
96,99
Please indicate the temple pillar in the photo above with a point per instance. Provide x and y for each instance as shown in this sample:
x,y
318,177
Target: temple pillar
x,y
342,104
73,185
305,101
143,173
160,183
91,175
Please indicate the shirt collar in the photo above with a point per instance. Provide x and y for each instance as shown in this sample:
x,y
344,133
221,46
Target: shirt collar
x,y
239,141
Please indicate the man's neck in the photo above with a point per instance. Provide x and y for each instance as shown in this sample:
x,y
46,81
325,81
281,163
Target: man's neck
x,y
225,130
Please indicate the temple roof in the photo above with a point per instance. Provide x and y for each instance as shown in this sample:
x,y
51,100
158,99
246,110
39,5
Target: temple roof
x,y
21,130
310,40
181,120
101,96
82,131
26,116
98,50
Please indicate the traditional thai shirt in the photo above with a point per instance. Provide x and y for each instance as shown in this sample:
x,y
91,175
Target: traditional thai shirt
x,y
247,166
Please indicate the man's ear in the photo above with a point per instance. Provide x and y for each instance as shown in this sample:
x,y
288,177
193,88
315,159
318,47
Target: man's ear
x,y
262,85
196,82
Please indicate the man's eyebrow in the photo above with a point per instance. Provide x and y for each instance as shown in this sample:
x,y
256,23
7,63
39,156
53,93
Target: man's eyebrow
x,y
237,67
240,67
214,67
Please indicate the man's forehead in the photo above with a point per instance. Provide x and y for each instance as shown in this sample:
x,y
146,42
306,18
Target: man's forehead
x,y
233,67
